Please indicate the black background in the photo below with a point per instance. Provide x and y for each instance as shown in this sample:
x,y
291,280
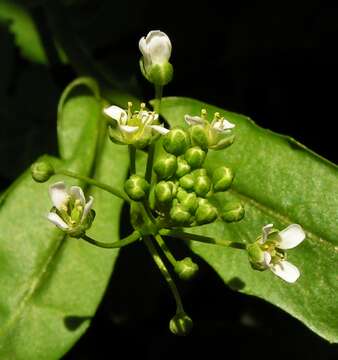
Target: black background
x,y
274,61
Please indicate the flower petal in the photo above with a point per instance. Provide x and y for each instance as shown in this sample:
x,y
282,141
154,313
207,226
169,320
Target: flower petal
x,y
87,208
116,113
160,129
58,194
128,129
266,231
267,259
56,220
158,47
290,237
78,194
222,125
286,271
193,120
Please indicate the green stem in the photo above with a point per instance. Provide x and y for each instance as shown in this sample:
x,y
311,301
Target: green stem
x,y
205,239
117,244
96,183
150,162
158,98
132,155
164,271
165,250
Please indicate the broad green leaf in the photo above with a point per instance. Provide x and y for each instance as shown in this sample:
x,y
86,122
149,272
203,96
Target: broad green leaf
x,y
280,182
51,285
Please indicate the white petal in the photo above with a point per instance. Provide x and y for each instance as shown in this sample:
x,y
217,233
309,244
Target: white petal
x,y
266,231
116,113
160,129
158,47
193,120
267,258
222,125
78,194
87,207
290,237
286,271
128,129
58,194
56,220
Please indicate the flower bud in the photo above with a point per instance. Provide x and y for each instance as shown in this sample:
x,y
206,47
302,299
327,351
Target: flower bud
x,y
180,215
187,182
181,324
42,171
165,166
186,269
202,185
205,214
164,191
136,187
222,178
188,200
195,157
176,141
158,74
199,137
232,211
256,256
183,167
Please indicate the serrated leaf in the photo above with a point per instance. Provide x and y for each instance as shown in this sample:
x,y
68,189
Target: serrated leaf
x,y
51,285
281,182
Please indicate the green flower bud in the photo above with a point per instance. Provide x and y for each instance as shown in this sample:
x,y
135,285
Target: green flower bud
x,y
256,256
42,171
205,214
136,187
202,185
181,324
180,215
187,182
165,166
199,137
186,269
159,74
164,191
222,178
188,200
195,157
176,141
199,172
232,211
183,167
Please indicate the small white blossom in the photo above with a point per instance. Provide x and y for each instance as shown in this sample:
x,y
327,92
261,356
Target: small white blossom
x,y
155,48
273,254
219,123
71,213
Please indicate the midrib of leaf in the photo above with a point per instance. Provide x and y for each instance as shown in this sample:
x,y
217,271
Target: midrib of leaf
x,y
33,285
282,218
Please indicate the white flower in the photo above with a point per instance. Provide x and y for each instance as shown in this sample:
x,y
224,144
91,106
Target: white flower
x,y
71,213
134,128
155,48
219,123
273,254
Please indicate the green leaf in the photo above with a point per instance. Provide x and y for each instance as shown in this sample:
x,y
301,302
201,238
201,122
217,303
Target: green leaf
x,y
281,182
50,284
22,26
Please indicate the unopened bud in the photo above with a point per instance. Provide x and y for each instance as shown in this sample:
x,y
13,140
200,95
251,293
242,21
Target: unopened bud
x,y
202,185
205,214
164,191
222,178
176,141
180,215
42,171
187,182
186,269
195,157
188,200
136,187
181,324
199,136
183,167
232,211
165,166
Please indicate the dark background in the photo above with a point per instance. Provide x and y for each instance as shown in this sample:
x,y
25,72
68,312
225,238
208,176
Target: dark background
x,y
272,60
